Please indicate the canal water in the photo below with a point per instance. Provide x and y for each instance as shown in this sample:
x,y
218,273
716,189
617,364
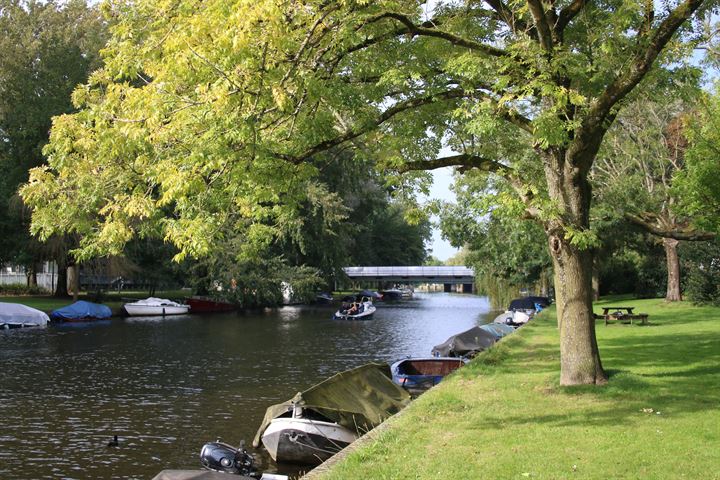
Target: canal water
x,y
166,386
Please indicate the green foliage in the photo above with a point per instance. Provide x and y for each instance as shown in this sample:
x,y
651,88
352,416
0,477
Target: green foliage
x,y
702,263
508,254
20,289
204,119
697,186
48,49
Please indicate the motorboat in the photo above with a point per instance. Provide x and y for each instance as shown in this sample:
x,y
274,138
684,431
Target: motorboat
x,y
305,437
419,374
362,310
466,344
16,315
514,318
155,306
199,304
81,311
317,423
392,294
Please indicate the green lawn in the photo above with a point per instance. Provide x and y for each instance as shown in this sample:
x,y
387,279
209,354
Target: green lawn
x,y
504,415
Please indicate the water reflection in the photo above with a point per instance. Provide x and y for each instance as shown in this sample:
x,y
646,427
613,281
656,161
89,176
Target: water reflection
x,y
165,386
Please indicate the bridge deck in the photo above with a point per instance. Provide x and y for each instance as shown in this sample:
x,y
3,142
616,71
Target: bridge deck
x,y
442,274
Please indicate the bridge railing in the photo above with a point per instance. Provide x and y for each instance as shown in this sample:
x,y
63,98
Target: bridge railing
x,y
435,271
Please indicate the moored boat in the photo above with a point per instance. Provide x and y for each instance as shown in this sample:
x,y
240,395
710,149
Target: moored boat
x,y
317,423
465,344
16,315
199,304
392,294
155,306
305,438
417,374
498,329
81,311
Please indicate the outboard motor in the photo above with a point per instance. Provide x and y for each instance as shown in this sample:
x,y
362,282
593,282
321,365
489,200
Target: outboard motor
x,y
221,457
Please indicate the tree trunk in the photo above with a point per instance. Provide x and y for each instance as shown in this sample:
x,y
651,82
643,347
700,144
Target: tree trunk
x,y
595,280
579,355
569,189
74,281
61,285
673,270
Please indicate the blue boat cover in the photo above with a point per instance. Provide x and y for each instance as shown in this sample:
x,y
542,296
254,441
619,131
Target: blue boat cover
x,y
81,309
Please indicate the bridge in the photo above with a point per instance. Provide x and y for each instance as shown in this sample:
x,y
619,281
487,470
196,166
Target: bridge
x,y
443,274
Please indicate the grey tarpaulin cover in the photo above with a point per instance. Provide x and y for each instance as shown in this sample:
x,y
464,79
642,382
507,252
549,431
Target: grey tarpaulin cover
x,y
467,343
358,399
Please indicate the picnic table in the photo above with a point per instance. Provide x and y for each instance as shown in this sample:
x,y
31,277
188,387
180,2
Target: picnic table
x,y
629,310
624,314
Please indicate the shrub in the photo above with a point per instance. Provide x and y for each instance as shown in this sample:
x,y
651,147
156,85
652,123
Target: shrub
x,y
701,262
20,289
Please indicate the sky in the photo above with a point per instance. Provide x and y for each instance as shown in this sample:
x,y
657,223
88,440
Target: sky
x,y
442,179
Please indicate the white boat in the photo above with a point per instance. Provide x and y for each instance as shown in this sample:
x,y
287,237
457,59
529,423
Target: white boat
x,y
15,315
155,306
298,439
319,422
513,318
364,310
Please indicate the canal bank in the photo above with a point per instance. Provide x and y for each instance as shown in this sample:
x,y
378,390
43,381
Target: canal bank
x,y
504,415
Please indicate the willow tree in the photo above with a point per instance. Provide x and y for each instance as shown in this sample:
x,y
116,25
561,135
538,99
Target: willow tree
x,y
205,115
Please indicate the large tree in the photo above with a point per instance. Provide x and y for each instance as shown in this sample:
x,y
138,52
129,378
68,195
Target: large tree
x,y
206,115
635,171
48,48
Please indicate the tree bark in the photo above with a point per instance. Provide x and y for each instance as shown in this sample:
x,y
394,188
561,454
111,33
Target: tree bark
x,y
579,355
673,293
61,285
580,362
595,280
74,281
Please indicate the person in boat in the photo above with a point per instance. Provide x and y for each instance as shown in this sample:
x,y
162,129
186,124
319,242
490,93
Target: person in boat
x,y
353,309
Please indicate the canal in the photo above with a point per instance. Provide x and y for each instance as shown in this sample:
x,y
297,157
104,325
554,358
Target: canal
x,y
166,386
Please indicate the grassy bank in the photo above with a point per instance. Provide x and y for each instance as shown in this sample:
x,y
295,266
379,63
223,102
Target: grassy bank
x,y
504,415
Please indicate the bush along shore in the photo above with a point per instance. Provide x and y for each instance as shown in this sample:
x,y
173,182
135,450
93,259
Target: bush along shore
x,y
505,416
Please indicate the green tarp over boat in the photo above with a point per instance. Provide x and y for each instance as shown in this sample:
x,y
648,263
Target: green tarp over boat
x,y
358,399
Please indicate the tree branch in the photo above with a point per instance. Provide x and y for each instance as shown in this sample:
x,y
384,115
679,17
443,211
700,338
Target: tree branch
x,y
542,26
567,14
600,116
358,130
678,232
508,16
429,30
465,161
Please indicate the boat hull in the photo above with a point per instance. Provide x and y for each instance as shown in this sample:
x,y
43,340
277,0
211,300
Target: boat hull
x,y
423,373
304,441
153,310
366,314
207,305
